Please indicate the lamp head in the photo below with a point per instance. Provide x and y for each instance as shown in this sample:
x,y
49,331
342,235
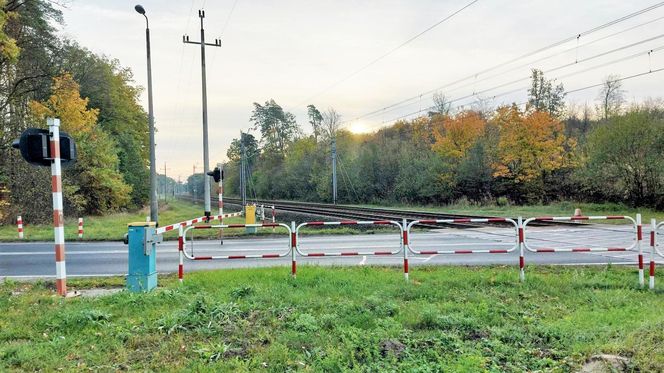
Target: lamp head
x,y
139,8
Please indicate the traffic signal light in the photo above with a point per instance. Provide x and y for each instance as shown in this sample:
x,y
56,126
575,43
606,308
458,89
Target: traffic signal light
x,y
35,148
216,174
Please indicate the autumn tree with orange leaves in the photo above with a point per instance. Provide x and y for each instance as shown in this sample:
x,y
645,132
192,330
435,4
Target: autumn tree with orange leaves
x,y
94,185
532,146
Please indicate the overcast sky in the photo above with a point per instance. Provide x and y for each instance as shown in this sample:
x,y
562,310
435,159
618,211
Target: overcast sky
x,y
294,50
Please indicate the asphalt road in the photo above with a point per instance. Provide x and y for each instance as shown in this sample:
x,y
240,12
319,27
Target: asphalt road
x,y
23,260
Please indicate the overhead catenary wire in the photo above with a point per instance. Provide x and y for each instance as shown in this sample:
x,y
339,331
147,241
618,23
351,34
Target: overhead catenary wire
x,y
576,60
523,56
602,54
382,56
525,102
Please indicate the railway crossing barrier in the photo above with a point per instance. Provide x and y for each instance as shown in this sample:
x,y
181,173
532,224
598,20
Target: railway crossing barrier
x,y
654,250
517,239
406,247
345,253
636,244
182,244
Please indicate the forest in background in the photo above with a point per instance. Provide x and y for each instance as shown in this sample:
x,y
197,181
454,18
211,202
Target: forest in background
x,y
43,74
548,151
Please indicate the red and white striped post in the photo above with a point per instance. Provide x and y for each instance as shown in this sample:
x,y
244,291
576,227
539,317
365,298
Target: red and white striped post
x,y
19,224
653,243
181,254
80,228
404,244
221,204
522,259
293,250
58,216
639,238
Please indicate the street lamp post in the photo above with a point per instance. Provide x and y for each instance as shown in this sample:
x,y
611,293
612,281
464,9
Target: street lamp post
x,y
154,208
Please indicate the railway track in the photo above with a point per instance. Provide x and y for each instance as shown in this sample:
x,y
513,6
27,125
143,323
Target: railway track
x,y
365,213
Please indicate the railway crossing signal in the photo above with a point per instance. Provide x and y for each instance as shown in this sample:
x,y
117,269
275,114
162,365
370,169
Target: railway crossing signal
x,y
216,174
35,149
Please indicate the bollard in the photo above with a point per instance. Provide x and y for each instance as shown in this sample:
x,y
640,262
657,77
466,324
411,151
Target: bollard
x,y
639,238
142,274
80,228
19,223
293,250
653,244
404,244
522,259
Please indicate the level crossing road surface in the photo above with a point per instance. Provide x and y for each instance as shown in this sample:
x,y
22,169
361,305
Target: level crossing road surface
x,y
36,259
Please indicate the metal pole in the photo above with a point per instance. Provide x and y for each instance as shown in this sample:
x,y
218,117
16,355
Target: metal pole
x,y
58,217
154,207
334,171
221,201
243,177
206,153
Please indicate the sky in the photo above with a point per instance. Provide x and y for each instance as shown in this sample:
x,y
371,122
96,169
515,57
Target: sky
x,y
347,55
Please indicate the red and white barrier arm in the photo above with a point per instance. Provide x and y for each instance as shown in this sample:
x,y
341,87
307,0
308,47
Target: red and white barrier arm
x,y
225,257
464,220
346,222
188,223
579,249
573,218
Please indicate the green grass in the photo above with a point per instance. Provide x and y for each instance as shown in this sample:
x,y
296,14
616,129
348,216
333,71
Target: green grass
x,y
108,227
338,319
555,209
114,226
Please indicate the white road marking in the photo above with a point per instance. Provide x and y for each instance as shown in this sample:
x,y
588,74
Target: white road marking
x,y
364,260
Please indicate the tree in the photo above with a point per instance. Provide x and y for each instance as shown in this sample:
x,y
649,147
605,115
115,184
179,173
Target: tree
x,y
458,134
611,96
543,96
626,158
278,127
99,183
331,123
441,105
531,147
316,121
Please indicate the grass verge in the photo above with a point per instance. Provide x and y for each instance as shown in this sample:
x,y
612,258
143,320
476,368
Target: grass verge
x,y
108,227
336,319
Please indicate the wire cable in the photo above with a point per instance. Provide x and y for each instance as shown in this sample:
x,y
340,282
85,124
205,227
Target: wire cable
x,y
375,60
526,55
576,60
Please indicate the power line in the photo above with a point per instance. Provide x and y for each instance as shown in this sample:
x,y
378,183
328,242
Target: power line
x,y
521,89
375,60
526,55
400,105
476,93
